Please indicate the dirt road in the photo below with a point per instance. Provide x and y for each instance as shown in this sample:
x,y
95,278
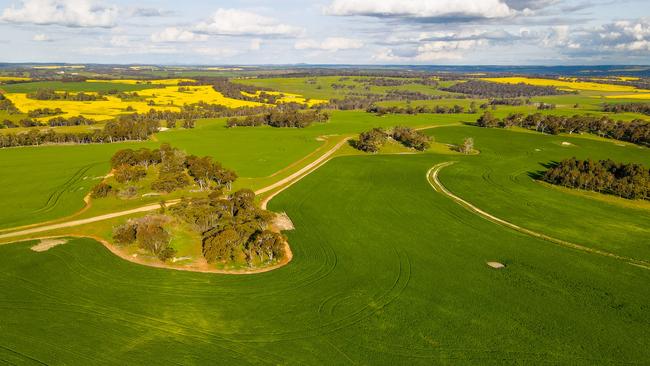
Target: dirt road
x,y
432,178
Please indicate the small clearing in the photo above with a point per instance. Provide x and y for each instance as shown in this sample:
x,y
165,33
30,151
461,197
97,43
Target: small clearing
x,y
47,244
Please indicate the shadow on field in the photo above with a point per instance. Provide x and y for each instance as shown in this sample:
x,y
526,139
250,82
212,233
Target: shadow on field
x,y
537,175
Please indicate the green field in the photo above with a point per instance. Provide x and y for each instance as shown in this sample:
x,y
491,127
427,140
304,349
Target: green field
x,y
49,182
386,268
73,87
419,293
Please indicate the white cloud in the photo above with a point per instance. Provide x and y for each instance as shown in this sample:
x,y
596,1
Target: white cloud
x,y
40,38
431,51
69,13
173,34
329,44
234,22
217,53
421,8
256,44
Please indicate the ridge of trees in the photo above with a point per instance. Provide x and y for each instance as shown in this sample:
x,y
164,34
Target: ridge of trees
x,y
636,131
502,90
631,181
280,118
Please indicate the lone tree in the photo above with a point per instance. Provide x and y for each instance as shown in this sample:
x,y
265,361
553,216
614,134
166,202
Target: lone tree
x,y
468,145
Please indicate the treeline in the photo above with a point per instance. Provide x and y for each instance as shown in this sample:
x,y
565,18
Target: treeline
x,y
643,108
279,118
365,101
630,181
488,89
382,81
372,141
50,94
113,131
637,131
232,227
409,109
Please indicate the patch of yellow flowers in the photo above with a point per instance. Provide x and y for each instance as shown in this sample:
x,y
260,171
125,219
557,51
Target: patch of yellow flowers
x,y
568,84
171,97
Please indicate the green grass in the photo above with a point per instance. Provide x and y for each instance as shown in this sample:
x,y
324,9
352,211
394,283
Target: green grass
x,y
498,181
385,271
261,151
48,182
72,87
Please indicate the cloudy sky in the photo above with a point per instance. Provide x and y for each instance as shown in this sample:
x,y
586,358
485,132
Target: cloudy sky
x,y
494,32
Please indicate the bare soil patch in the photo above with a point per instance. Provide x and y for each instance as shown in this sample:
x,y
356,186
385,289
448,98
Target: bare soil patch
x,y
47,244
282,222
496,265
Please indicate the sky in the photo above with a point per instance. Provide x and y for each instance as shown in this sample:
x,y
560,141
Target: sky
x,y
406,32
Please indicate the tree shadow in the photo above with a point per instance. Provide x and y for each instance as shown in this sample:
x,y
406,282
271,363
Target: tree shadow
x,y
538,174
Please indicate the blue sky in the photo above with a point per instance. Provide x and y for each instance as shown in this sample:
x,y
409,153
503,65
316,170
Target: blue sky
x,y
444,32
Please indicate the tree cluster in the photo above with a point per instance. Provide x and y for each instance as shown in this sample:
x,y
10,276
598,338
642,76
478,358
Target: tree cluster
x,y
637,131
411,138
150,234
175,169
489,89
630,181
279,118
44,112
232,227
373,140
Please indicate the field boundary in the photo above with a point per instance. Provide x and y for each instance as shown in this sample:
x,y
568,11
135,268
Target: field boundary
x,y
432,178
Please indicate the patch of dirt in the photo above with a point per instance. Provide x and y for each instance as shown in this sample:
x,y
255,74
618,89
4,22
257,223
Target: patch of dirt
x,y
47,244
282,222
496,265
565,143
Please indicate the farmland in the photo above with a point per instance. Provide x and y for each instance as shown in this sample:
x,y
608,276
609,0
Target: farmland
x,y
384,267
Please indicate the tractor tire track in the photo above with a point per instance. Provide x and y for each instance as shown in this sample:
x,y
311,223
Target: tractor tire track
x,y
432,178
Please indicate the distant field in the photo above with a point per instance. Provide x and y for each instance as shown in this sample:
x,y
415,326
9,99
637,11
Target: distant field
x,y
72,87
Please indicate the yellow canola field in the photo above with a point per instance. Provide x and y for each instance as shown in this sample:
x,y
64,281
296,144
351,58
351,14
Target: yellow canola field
x,y
99,110
56,67
205,93
165,99
138,82
567,84
13,78
630,96
289,98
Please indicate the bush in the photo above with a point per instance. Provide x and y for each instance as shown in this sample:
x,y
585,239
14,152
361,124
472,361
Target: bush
x,y
101,190
126,233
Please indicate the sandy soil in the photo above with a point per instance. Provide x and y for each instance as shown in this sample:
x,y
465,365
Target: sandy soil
x,y
47,244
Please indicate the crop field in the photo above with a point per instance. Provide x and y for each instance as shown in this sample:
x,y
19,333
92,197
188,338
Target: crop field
x,y
49,182
353,293
567,84
389,253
